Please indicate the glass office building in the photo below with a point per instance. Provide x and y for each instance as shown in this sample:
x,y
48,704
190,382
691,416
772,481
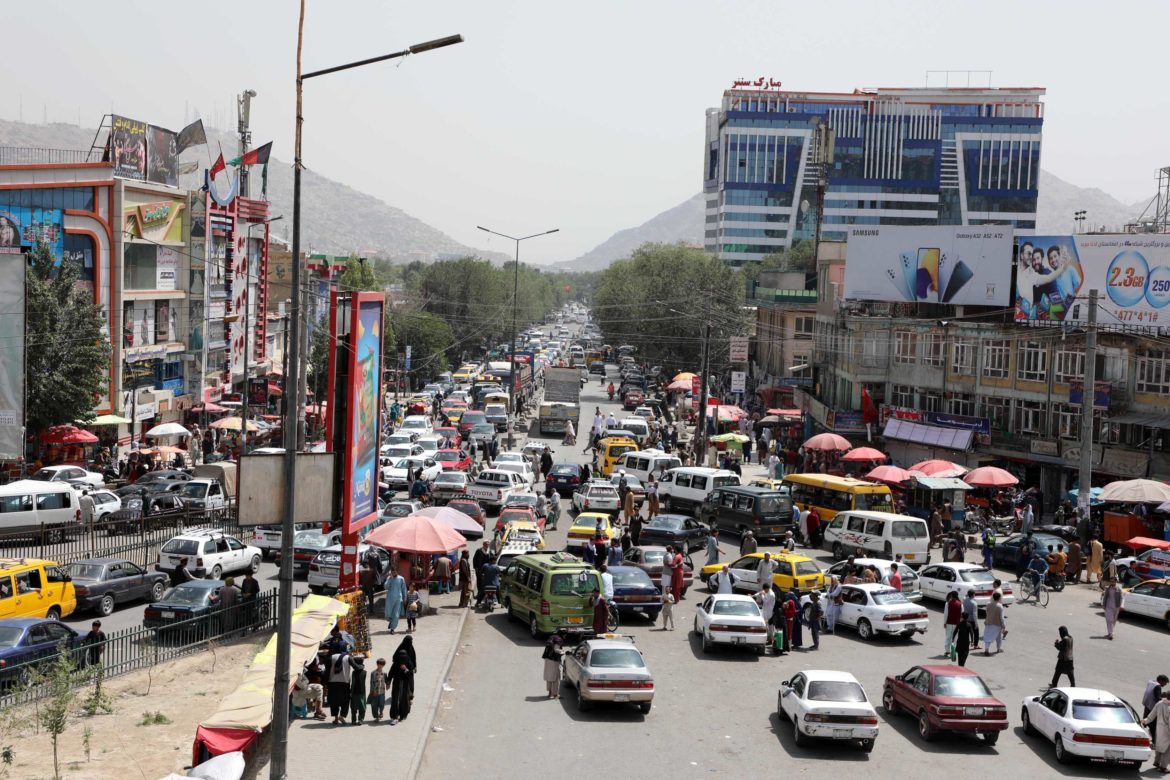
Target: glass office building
x,y
901,157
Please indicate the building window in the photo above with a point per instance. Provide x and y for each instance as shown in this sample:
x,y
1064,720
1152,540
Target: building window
x,y
1029,416
905,346
931,402
1069,365
998,412
996,358
803,327
1032,361
933,349
903,396
961,403
963,357
1068,421
1153,372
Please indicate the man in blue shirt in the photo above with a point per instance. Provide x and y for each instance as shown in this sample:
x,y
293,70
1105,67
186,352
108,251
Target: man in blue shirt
x,y
1038,568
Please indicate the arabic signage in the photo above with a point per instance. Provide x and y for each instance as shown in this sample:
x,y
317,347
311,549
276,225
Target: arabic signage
x,y
696,389
761,83
739,349
143,152
845,422
1101,393
258,391
23,228
738,381
166,268
1055,273
980,425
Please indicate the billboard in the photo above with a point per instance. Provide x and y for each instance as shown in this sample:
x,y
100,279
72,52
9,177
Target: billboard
x,y
360,499
143,152
12,356
162,156
1055,273
21,229
738,350
953,264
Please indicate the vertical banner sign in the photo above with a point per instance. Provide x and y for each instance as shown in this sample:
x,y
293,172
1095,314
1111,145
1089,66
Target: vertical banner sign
x,y
407,366
128,148
696,389
239,293
12,356
738,381
360,501
739,349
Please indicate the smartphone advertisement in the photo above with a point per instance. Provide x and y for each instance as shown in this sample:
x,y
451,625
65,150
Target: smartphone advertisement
x,y
951,264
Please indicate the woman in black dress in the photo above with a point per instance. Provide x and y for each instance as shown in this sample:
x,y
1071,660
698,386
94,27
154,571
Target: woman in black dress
x,y
402,668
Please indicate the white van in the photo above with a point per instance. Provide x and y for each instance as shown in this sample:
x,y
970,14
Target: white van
x,y
643,463
28,504
636,426
686,488
878,535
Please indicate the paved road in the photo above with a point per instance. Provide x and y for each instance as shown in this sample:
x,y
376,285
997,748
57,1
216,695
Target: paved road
x,y
716,713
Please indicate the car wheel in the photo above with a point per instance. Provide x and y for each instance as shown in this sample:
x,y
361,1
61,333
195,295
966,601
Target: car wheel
x,y
706,642
780,706
316,589
864,629
667,504
798,737
583,705
54,613
867,745
255,567
890,703
1026,722
991,737
106,605
533,628
157,590
925,730
216,572
838,551
1062,755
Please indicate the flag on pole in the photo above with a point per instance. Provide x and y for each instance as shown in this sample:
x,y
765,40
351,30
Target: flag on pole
x,y
218,166
258,156
191,135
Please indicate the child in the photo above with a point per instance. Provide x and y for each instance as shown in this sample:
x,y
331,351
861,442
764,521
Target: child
x,y
377,697
413,605
668,611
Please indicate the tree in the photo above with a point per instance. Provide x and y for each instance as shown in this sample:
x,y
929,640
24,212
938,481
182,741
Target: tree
x,y
67,354
358,276
54,713
428,336
318,379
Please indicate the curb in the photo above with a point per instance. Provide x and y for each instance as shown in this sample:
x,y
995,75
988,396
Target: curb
x,y
433,706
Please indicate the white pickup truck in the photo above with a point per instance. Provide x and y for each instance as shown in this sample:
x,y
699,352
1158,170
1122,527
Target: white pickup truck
x,y
493,486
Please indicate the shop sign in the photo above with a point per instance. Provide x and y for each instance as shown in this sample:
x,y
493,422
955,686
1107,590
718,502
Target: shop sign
x,y
1101,394
1051,448
738,348
846,422
738,381
145,352
1124,462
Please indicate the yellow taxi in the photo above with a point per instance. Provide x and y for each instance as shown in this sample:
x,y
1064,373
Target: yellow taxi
x,y
769,484
520,531
585,529
454,414
791,571
35,588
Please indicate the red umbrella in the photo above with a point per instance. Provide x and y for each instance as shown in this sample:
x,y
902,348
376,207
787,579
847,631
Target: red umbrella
x,y
889,474
726,413
864,453
989,476
682,384
939,468
827,441
417,534
68,434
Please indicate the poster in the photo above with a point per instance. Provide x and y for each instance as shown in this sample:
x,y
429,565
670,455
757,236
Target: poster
x,y
166,265
1130,272
21,229
365,375
952,264
12,356
128,147
162,156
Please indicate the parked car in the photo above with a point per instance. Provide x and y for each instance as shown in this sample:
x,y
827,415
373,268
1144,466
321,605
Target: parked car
x,y
324,570
267,537
453,460
68,474
634,484
732,620
26,640
1149,599
186,602
105,503
792,571
565,478
634,593
910,587
139,509
468,506
307,544
825,704
944,697
873,609
103,583
596,495
163,476
677,530
649,558
1006,552
396,509
448,485
209,553
938,579
609,669
1087,723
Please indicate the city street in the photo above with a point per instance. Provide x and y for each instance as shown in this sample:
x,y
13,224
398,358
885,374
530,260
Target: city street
x,y
716,712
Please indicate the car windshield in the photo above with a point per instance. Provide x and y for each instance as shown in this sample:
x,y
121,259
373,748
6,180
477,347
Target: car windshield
x,y
631,577
888,597
182,547
582,584
1102,712
966,686
807,567
193,490
521,499
909,529
565,469
44,475
616,658
399,510
310,539
449,457
835,690
186,595
736,608
456,478
771,505
724,481
976,575
670,523
86,571
484,428
631,482
404,463
653,557
466,507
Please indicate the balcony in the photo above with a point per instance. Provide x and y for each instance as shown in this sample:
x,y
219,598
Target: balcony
x,y
776,295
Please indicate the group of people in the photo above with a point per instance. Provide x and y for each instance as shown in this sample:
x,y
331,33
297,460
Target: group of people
x,y
337,677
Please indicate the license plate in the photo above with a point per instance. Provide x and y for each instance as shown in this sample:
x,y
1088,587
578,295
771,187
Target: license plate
x,y
621,697
1114,755
842,733
911,556
167,614
737,640
639,609
575,620
976,712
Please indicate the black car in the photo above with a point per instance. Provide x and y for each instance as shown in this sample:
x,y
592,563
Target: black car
x,y
1006,553
24,641
142,508
566,477
103,583
597,367
678,530
634,593
182,603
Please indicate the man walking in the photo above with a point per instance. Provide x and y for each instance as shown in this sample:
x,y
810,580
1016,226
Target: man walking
x,y
766,570
814,622
723,580
971,615
993,624
713,547
1153,693
748,545
1064,658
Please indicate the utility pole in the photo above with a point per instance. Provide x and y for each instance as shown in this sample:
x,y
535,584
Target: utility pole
x,y
701,425
244,115
1088,394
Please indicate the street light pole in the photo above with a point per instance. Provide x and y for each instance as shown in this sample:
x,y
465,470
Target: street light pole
x,y
515,304
279,766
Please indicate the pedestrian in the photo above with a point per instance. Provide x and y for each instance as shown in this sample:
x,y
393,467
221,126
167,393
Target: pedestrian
x,y
812,530
789,543
570,437
368,581
676,576
628,508
766,600
464,580
667,610
935,523
443,573
395,600
836,601
403,666
954,615
635,526
1159,722
665,576
229,604
723,581
546,460
600,544
615,554
747,451
94,644
895,578
993,624
1113,601
552,666
1153,693
963,636
481,557
795,626
1096,557
86,504
652,498
600,613
339,674
181,573
1027,519
1074,562
813,614
713,547
1064,658
250,594
627,542
377,690
747,544
971,615
413,606
357,691
766,570
589,554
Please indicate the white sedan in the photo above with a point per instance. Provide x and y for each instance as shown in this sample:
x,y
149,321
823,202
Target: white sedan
x,y
827,704
68,474
609,668
521,467
597,496
939,579
730,619
873,608
910,587
1149,599
1086,723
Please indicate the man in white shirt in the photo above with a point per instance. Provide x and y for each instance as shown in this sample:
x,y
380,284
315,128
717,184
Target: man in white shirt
x,y
606,584
766,570
724,580
611,421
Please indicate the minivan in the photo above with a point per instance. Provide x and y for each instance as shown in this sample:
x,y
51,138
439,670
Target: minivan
x,y
687,487
765,512
648,464
30,505
35,588
550,592
878,535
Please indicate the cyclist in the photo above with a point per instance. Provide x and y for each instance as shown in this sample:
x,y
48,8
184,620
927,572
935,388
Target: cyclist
x,y
1037,570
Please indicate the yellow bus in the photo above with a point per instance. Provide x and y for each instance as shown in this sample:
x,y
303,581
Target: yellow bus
x,y
831,495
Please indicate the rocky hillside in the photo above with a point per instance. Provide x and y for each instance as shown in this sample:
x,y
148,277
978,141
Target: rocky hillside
x,y
683,223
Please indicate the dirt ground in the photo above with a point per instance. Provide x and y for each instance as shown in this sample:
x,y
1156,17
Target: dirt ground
x,y
185,691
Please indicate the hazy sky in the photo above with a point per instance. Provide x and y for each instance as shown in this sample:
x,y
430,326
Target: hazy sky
x,y
582,116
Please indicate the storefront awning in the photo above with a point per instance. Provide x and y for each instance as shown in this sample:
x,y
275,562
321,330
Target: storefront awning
x,y
928,435
942,483
1143,418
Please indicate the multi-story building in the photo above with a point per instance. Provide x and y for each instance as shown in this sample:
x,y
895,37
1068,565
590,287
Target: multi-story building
x,y
899,157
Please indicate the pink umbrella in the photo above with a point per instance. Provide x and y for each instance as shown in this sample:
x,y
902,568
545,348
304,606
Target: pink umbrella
x,y
415,534
864,453
454,518
827,441
889,474
682,384
726,413
989,476
939,468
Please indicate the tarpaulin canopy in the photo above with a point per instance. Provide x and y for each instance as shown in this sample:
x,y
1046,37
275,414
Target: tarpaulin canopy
x,y
67,434
247,710
1136,491
109,419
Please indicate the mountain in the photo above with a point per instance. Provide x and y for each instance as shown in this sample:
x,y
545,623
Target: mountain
x,y
336,219
1059,199
683,223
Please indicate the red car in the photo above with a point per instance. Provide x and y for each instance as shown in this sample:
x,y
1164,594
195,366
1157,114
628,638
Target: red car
x,y
632,399
453,460
450,435
510,513
470,507
946,698
469,420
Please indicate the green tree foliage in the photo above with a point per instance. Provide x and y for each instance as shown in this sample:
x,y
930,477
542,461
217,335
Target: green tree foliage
x,y
428,336
660,301
320,344
798,257
67,352
55,711
359,276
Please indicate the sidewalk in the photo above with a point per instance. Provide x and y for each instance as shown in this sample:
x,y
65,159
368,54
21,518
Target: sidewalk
x,y
320,749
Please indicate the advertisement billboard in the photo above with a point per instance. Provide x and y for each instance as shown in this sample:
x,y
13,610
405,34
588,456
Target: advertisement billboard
x,y
23,228
953,264
162,156
127,148
360,499
738,350
1055,273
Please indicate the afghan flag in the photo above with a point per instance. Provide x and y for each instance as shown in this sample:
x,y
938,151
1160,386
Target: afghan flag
x,y
258,156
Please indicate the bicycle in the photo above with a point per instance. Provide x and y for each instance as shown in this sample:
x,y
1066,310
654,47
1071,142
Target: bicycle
x,y
1032,586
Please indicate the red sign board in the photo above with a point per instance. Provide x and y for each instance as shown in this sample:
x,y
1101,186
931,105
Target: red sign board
x,y
696,389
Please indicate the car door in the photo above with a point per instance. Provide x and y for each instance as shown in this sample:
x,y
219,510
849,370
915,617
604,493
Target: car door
x,y
1141,601
574,662
1051,712
693,533
746,572
927,581
703,614
911,691
7,597
38,642
854,602
238,554
134,582
112,581
791,696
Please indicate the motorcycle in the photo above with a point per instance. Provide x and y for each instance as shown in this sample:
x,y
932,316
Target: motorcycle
x,y
491,596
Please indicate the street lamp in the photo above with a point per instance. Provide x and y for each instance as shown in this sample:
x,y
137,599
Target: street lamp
x,y
1079,220
292,417
515,302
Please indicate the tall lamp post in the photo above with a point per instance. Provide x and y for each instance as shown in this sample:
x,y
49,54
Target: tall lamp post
x,y
515,304
278,768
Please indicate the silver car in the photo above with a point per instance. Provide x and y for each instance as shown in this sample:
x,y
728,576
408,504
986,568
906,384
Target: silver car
x,y
609,669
